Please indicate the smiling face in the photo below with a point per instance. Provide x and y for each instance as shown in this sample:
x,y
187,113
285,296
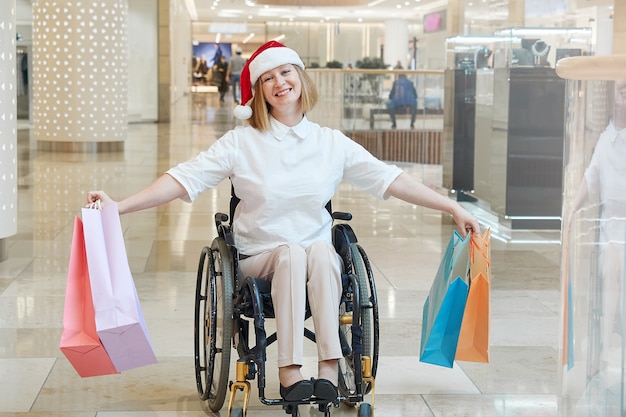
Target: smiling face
x,y
282,88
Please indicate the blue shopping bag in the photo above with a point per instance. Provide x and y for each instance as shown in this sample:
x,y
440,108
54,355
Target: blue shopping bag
x,y
445,304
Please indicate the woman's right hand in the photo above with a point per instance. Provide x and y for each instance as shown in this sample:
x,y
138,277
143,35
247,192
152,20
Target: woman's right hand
x,y
93,196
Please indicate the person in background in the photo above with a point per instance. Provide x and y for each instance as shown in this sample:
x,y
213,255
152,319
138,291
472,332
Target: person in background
x,y
402,96
218,78
202,69
285,168
233,75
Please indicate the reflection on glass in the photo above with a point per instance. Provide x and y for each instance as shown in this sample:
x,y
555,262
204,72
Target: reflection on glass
x,y
594,243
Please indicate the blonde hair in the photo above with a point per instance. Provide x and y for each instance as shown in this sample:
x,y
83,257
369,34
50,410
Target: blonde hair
x,y
261,110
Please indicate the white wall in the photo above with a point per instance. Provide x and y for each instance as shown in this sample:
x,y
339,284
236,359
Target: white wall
x,y
180,50
432,51
143,61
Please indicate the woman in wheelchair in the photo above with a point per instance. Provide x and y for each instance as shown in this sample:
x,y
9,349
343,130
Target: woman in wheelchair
x,y
284,169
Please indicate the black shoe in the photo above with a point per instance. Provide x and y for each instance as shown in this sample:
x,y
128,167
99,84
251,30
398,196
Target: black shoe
x,y
325,390
393,126
300,391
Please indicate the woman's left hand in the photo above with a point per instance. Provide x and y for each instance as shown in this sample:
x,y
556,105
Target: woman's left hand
x,y
466,221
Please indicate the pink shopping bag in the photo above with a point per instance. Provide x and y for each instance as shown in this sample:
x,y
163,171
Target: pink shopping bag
x,y
79,341
119,319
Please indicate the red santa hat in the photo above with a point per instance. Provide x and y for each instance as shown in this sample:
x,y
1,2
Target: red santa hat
x,y
269,56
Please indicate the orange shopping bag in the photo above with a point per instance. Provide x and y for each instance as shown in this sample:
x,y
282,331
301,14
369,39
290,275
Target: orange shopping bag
x,y
79,341
473,345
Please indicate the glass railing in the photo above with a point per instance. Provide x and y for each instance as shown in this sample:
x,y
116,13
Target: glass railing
x,y
358,99
593,279
357,103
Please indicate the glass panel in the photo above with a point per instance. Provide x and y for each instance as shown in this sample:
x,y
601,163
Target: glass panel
x,y
356,101
540,47
594,236
472,52
364,97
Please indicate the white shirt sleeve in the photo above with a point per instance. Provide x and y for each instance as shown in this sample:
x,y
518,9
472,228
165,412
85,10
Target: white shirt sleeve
x,y
365,171
208,168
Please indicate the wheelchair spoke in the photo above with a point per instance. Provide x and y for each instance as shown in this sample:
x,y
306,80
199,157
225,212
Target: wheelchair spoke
x,y
213,323
365,322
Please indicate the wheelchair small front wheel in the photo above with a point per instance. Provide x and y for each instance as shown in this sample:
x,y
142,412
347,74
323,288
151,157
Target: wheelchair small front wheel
x,y
236,412
365,410
213,323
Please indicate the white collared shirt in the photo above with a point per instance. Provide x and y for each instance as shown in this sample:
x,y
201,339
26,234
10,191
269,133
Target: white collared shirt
x,y
284,178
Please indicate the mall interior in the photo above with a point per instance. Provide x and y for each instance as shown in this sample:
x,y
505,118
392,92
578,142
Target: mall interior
x,y
514,98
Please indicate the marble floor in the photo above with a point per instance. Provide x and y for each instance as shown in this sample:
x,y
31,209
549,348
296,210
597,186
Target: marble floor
x,y
404,244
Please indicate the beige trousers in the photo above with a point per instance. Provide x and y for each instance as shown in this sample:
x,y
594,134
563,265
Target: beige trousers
x,y
295,274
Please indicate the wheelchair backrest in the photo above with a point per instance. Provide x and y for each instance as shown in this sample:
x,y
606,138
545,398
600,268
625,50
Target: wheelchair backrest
x,y
234,200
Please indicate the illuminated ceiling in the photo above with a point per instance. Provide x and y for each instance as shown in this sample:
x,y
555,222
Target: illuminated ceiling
x,y
315,10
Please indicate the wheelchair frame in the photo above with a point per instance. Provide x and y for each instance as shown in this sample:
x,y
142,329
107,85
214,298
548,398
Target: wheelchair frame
x,y
227,304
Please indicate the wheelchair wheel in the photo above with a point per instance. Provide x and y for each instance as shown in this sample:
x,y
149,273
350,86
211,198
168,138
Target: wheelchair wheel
x,y
365,410
236,412
368,310
213,323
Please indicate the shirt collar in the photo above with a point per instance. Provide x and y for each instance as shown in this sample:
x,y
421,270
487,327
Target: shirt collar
x,y
280,130
613,133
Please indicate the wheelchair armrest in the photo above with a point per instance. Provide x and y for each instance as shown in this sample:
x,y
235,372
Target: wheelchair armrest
x,y
340,215
220,218
223,229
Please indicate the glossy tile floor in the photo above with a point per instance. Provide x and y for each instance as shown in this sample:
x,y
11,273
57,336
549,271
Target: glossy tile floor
x,y
403,242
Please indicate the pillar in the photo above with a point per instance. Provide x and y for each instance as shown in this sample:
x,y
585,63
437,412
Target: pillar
x,y
165,67
455,18
80,75
8,127
602,30
396,42
619,27
517,10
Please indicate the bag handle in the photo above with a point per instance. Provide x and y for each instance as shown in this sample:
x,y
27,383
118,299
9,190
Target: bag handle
x,y
474,246
96,205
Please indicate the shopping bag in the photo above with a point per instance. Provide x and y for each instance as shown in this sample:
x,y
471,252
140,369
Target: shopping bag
x,y
480,254
473,343
79,340
444,306
119,319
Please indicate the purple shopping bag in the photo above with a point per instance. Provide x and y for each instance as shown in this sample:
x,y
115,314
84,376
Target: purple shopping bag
x,y
119,319
79,341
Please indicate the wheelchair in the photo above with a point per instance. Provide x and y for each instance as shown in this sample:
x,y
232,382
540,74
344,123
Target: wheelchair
x,y
230,313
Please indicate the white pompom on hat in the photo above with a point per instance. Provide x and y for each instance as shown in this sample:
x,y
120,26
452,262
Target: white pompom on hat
x,y
269,56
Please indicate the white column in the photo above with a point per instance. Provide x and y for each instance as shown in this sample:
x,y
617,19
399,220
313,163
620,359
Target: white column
x,y
80,74
8,126
604,30
396,42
